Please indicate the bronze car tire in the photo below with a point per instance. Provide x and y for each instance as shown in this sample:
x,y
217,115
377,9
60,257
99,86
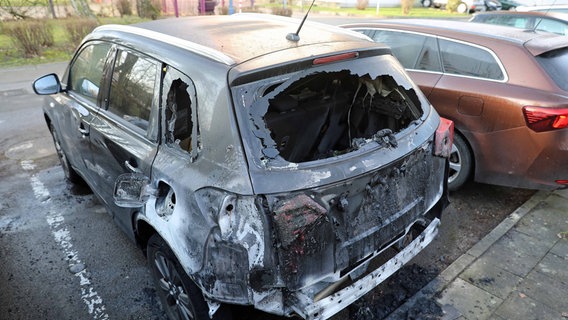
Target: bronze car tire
x,y
70,174
180,297
461,163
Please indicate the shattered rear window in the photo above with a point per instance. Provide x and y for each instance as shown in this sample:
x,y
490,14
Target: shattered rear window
x,y
330,111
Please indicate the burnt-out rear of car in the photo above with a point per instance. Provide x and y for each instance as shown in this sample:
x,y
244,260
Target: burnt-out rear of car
x,y
348,159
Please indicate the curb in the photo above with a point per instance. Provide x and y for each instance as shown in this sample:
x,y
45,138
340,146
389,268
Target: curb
x,y
447,276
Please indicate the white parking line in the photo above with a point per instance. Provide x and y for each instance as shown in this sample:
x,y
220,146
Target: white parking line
x,y
62,236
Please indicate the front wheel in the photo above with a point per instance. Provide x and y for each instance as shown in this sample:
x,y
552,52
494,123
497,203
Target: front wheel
x,y
181,299
426,3
461,163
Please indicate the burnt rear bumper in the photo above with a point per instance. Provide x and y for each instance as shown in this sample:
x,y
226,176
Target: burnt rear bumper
x,y
310,308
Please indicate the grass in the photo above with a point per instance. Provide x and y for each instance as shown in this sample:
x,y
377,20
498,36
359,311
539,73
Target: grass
x,y
62,50
11,56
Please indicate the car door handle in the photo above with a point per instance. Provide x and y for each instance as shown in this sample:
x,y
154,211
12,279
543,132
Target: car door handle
x,y
82,130
133,167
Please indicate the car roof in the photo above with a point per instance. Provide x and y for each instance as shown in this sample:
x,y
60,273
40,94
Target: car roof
x,y
536,42
236,38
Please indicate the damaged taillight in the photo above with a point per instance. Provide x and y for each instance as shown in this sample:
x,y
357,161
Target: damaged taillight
x,y
305,239
444,138
335,58
541,119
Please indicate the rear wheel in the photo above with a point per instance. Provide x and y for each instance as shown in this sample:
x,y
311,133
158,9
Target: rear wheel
x,y
461,163
180,297
70,174
462,8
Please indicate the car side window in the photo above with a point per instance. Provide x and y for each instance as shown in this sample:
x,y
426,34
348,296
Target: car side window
x,y
86,72
178,98
552,26
133,83
467,60
414,51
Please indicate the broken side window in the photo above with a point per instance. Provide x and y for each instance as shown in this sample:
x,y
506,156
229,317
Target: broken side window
x,y
332,113
179,110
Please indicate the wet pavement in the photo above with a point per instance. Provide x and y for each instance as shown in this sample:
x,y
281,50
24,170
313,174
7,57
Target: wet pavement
x,y
518,271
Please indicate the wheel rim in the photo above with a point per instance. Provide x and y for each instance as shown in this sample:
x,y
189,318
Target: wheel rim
x,y
176,300
455,164
462,8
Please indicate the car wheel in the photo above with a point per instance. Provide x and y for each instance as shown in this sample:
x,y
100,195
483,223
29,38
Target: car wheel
x,y
462,8
70,174
461,163
180,297
426,3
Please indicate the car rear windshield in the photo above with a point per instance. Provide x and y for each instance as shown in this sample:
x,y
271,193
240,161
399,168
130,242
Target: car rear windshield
x,y
555,63
328,110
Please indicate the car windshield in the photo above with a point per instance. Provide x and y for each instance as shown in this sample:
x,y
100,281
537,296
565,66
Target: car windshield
x,y
555,63
328,110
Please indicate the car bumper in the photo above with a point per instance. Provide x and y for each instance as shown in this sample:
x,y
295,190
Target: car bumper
x,y
324,308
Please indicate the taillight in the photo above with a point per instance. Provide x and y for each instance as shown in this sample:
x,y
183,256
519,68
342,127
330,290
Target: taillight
x,y
562,182
444,138
541,119
335,58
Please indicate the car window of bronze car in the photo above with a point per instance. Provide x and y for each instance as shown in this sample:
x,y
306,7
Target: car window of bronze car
x,y
414,51
467,60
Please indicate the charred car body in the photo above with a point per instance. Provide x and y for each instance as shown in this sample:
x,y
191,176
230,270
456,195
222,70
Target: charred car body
x,y
253,169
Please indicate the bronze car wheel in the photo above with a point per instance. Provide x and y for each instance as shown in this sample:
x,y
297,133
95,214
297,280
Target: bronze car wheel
x,y
70,173
461,163
181,299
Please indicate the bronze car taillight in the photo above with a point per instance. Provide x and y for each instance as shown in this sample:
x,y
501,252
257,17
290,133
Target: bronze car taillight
x,y
541,119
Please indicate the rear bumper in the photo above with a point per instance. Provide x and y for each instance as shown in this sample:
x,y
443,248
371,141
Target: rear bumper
x,y
326,307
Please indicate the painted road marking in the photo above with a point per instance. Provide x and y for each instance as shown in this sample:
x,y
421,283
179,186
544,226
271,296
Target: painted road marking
x,y
62,237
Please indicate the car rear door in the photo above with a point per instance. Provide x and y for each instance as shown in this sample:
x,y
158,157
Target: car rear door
x,y
124,134
471,75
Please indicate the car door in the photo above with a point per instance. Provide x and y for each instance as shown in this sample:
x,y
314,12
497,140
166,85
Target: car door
x,y
124,134
80,103
471,75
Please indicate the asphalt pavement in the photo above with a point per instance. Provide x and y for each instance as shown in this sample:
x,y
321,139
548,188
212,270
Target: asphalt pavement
x,y
518,271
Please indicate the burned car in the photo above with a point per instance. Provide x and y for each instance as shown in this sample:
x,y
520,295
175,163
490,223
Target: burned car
x,y
253,165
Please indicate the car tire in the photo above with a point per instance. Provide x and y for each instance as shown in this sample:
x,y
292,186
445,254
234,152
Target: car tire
x,y
181,298
461,163
426,3
70,174
462,8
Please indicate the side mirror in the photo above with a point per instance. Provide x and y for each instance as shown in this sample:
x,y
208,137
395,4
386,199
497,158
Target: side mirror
x,y
132,190
48,84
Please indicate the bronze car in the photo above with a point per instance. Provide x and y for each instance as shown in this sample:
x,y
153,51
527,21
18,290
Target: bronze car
x,y
505,89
